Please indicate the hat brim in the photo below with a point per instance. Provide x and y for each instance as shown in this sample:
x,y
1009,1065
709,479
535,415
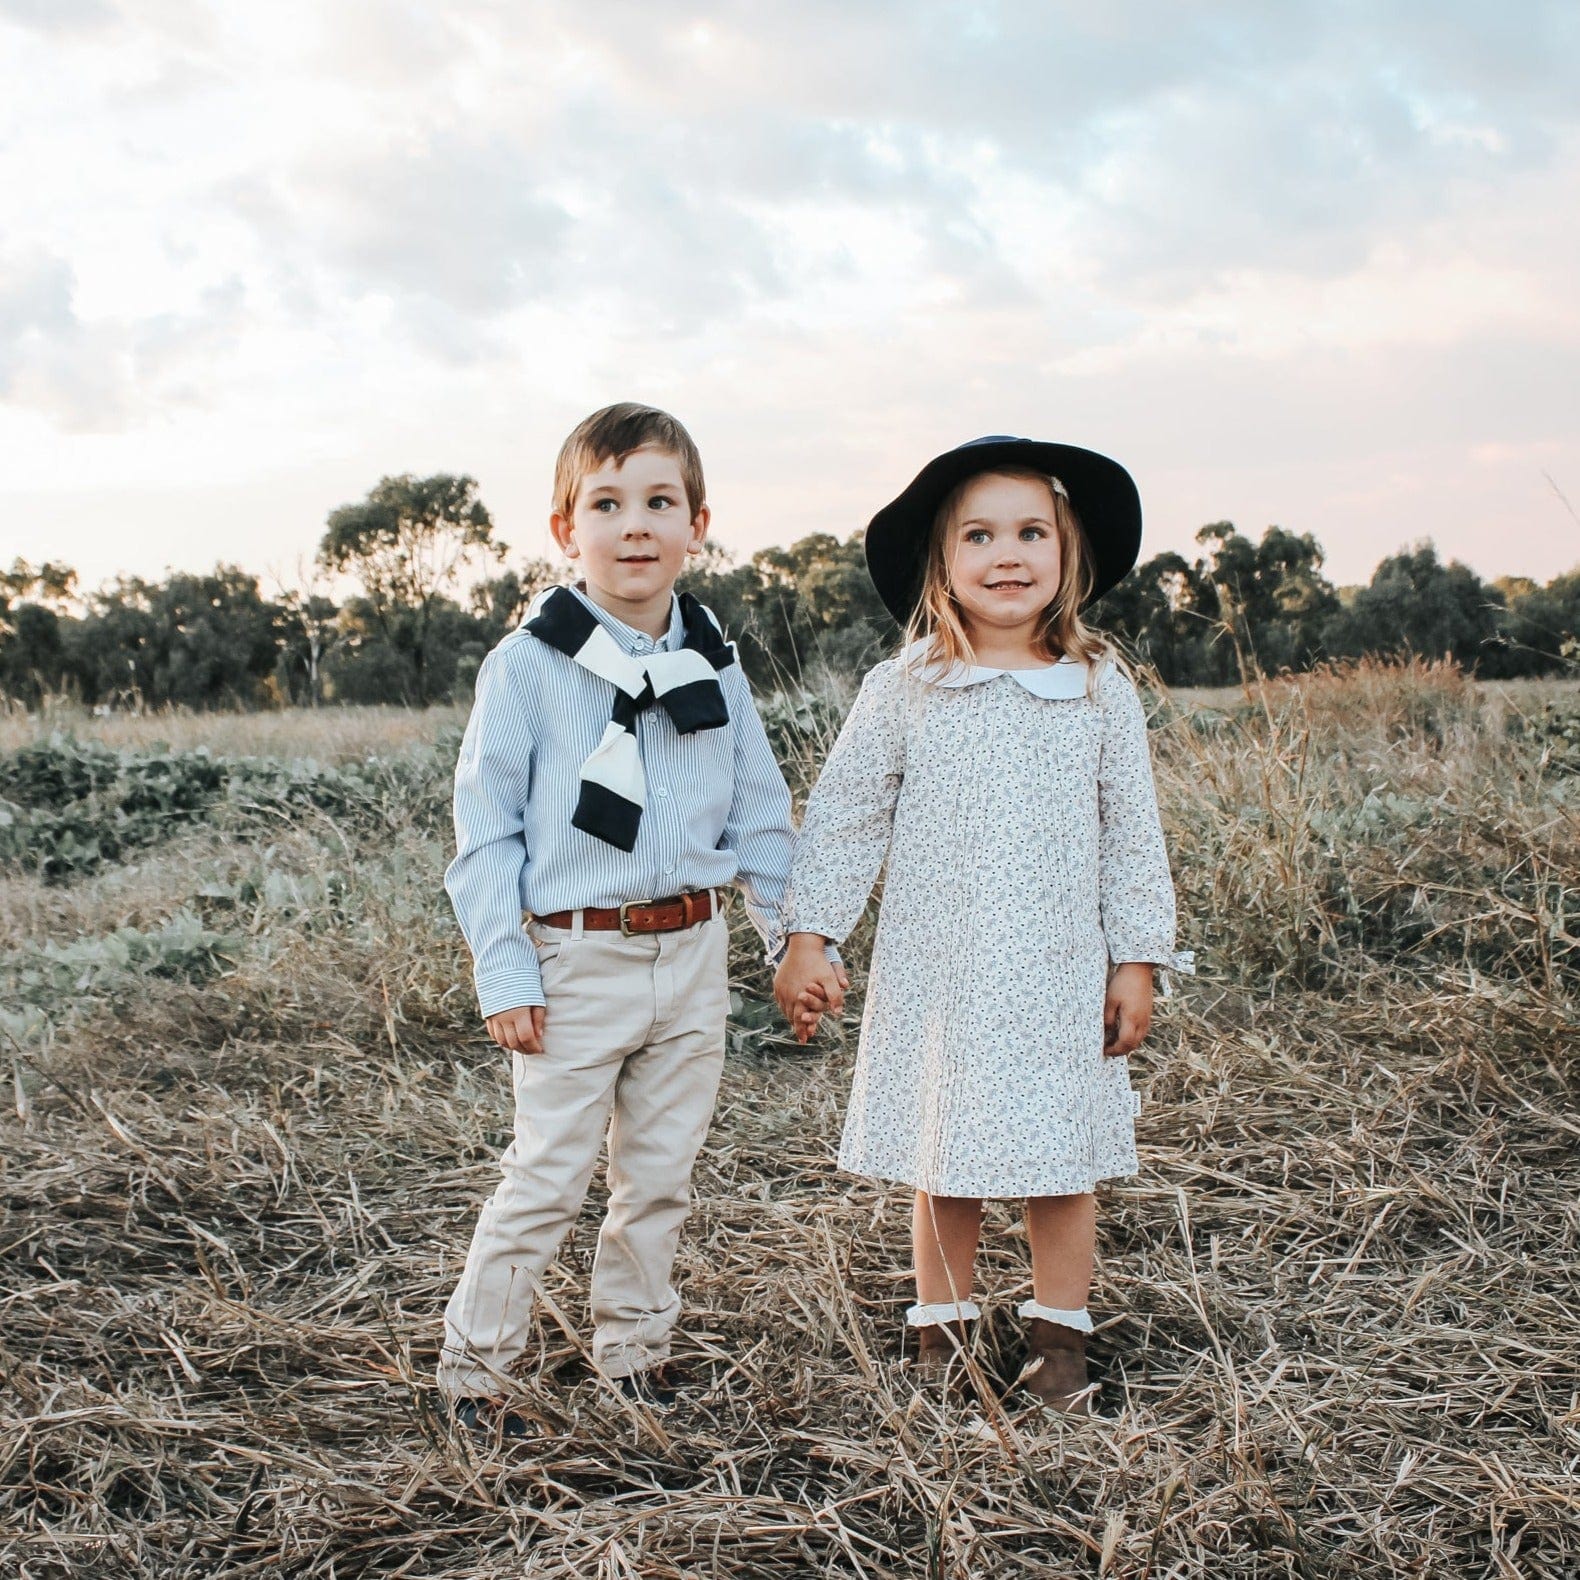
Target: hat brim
x,y
1102,492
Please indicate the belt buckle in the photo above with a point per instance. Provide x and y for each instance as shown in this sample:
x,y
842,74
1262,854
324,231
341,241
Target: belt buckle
x,y
625,917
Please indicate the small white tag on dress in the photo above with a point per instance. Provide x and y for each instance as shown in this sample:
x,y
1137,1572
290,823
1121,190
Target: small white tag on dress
x,y
1135,1103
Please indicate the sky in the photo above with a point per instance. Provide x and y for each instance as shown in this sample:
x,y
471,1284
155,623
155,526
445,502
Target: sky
x,y
1311,264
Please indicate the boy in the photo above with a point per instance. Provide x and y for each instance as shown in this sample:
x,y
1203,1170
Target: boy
x,y
614,775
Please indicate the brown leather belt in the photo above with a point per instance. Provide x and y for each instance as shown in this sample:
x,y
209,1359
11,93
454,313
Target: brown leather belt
x,y
639,916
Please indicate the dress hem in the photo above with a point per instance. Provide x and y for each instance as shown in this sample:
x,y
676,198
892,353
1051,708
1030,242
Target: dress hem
x,y
1061,1186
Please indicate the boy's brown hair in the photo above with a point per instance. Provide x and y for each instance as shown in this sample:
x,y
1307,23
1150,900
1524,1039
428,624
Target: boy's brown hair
x,y
611,435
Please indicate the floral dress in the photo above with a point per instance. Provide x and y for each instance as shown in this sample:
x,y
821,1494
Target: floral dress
x,y
1019,823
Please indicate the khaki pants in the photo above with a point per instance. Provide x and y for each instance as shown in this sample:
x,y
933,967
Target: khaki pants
x,y
634,1030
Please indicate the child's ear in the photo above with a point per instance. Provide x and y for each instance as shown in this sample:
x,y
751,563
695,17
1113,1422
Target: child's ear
x,y
564,534
699,530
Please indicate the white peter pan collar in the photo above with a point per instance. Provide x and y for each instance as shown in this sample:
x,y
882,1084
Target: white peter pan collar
x,y
1062,681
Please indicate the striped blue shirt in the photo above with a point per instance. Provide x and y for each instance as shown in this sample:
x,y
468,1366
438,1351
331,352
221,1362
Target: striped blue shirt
x,y
718,811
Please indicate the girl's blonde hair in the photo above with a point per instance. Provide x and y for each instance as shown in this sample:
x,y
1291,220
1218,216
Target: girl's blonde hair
x,y
936,620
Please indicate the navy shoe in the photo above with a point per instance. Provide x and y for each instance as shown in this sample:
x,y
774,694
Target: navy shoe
x,y
648,1388
487,1418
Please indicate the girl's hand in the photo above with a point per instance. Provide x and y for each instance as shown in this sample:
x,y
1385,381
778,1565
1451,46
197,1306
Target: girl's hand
x,y
1127,1010
518,1030
807,985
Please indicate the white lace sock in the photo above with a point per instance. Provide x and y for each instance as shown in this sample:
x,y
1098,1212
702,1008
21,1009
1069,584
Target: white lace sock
x,y
1079,1320
942,1311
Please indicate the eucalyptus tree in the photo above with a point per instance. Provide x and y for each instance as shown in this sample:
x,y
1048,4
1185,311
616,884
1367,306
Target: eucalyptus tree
x,y
409,544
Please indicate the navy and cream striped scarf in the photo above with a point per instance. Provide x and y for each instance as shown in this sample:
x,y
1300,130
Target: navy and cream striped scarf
x,y
685,684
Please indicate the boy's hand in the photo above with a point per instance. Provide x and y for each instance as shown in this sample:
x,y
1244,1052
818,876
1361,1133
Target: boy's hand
x,y
518,1030
1127,1010
808,984
808,1012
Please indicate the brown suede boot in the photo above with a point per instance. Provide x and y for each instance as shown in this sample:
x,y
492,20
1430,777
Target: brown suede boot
x,y
940,1365
938,1344
1056,1367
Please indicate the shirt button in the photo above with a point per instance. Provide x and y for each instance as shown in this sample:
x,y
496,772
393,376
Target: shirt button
x,y
669,872
663,790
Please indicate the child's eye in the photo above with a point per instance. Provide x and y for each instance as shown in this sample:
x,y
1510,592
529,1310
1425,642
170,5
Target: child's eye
x,y
661,502
977,535
598,505
1032,533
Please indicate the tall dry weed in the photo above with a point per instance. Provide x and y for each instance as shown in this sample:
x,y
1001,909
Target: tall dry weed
x,y
1336,1329
1370,815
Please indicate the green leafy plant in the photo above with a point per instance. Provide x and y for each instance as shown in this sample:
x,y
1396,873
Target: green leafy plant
x,y
183,948
68,808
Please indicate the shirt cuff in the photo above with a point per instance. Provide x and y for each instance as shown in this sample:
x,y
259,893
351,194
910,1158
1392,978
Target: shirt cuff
x,y
502,990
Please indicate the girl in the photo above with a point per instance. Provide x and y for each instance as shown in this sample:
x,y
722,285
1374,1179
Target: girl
x,y
1000,766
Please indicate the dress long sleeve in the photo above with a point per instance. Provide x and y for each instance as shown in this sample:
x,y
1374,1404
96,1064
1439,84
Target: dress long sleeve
x,y
1135,892
850,814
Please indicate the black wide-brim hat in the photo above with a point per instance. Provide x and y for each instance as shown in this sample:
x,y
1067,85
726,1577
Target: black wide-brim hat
x,y
1102,492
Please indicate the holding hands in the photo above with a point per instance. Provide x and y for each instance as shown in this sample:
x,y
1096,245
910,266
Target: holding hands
x,y
808,984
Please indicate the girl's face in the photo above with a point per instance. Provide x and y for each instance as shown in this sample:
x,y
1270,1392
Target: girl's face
x,y
1003,555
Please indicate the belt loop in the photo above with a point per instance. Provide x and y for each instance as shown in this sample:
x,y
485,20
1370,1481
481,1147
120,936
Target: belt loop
x,y
577,928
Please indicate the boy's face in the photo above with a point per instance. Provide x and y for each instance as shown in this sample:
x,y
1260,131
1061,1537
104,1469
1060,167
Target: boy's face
x,y
630,529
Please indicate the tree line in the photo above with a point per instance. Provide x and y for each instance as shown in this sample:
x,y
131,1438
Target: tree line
x,y
435,592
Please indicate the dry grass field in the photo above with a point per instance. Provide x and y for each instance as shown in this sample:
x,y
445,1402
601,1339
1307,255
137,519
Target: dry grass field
x,y
251,1118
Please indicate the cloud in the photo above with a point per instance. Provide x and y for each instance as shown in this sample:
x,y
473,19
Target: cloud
x,y
456,230
48,359
397,47
101,376
57,16
1300,239
460,221
171,352
672,170
1191,138
35,299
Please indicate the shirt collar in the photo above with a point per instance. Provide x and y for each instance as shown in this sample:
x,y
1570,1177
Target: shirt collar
x,y
638,644
1061,681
